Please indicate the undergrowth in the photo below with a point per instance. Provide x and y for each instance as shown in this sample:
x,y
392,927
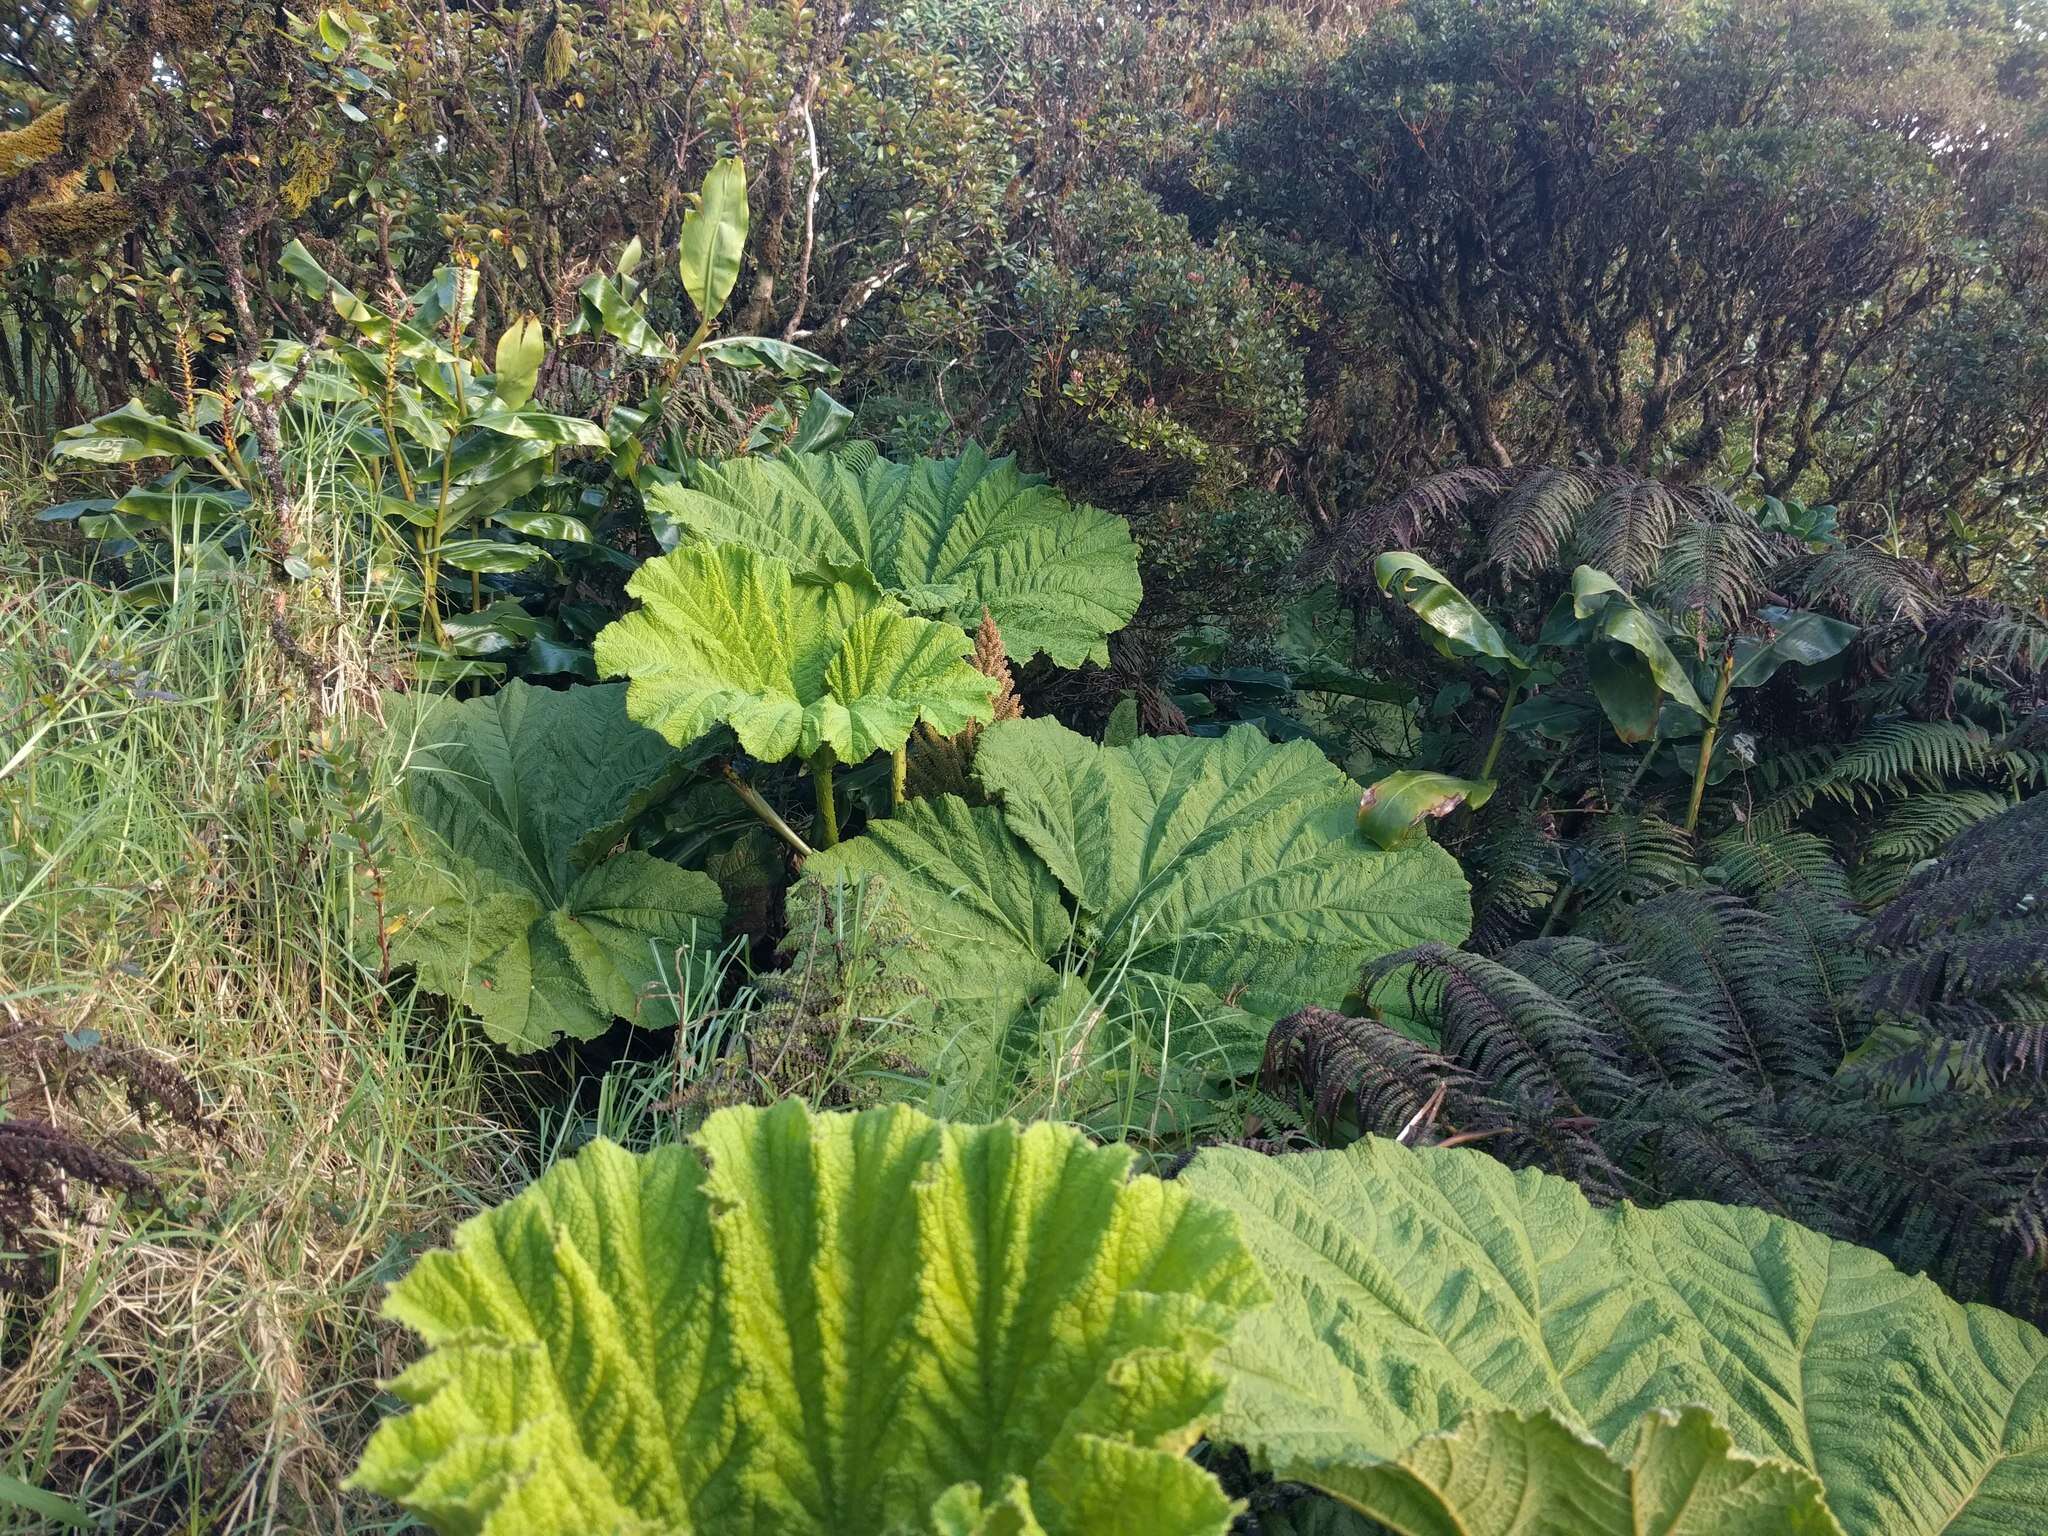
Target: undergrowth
x,y
171,888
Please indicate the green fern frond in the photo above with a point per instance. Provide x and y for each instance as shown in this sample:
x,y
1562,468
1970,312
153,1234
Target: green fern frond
x,y
1754,861
1863,585
1626,531
1631,857
1715,568
1535,520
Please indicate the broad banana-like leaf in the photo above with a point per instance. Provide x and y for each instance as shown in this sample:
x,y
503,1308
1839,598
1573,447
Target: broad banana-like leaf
x,y
1418,1287
129,433
1797,638
725,634
949,537
1503,1473
1461,628
714,235
1392,811
1220,877
521,350
504,892
543,427
785,358
604,308
821,1325
1631,667
490,555
413,343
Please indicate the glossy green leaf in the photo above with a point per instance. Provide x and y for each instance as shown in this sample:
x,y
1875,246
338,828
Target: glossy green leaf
x,y
488,555
522,348
505,889
604,309
1631,667
183,503
821,1325
824,424
1417,1287
1393,810
546,525
727,635
714,236
1797,638
782,357
543,427
130,433
501,627
1461,629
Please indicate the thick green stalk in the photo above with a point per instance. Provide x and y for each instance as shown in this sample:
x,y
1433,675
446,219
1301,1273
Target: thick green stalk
x,y
761,808
1500,731
899,776
431,597
1699,773
821,781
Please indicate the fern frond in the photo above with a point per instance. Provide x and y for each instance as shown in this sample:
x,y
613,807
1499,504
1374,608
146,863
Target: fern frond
x,y
1340,1067
1625,532
1754,861
1917,828
1862,585
1729,960
1631,857
1412,520
1715,567
1535,520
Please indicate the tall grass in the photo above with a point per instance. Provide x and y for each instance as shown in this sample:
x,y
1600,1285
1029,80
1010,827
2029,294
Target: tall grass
x,y
171,875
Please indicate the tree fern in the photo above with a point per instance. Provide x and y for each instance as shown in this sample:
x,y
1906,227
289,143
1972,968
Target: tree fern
x,y
1882,1079
1625,531
1536,519
1715,566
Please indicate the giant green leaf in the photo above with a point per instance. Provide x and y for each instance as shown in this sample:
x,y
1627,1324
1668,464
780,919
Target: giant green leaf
x,y
834,1324
504,889
725,634
1223,876
1419,1287
949,537
1503,1473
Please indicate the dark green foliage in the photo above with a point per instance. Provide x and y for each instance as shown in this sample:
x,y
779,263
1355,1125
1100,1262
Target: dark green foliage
x,y
1881,1080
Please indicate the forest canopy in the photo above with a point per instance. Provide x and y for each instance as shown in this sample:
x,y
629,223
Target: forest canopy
x,y
1281,257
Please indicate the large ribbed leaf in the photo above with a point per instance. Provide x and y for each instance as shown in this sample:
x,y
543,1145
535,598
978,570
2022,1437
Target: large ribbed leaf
x,y
840,1324
727,635
1223,880
501,889
1419,1287
1510,1474
947,536
1231,862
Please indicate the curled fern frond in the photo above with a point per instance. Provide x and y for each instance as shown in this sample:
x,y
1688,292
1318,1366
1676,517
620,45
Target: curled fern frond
x,y
1381,1080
